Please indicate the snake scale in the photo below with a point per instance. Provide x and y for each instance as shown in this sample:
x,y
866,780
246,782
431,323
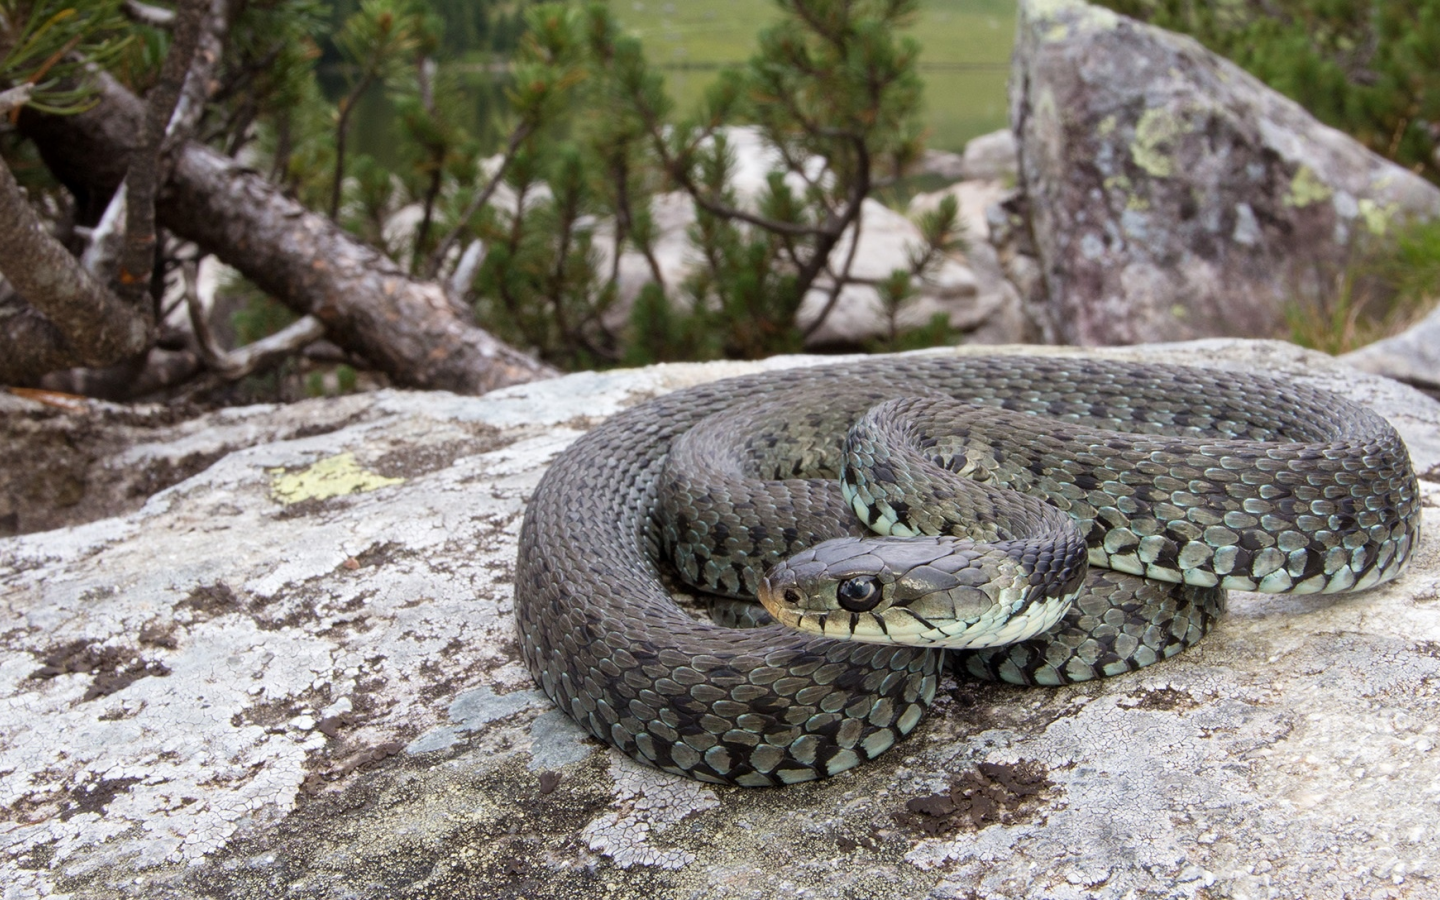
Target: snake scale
x,y
1252,482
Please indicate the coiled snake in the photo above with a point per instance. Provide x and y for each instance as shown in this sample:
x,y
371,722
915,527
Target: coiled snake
x,y
1222,479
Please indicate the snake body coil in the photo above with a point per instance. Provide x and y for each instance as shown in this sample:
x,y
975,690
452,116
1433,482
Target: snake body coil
x,y
1323,499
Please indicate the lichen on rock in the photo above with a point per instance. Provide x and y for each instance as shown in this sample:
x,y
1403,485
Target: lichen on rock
x,y
219,694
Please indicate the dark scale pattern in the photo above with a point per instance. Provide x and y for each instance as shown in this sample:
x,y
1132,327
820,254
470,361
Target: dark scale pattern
x,y
767,706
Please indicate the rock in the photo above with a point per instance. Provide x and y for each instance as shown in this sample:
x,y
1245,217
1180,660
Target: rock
x,y
1003,320
992,157
944,163
674,253
1413,356
887,239
1019,262
1172,195
295,672
973,198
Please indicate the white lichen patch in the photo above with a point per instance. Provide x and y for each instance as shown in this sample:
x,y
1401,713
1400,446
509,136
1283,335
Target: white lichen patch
x,y
647,802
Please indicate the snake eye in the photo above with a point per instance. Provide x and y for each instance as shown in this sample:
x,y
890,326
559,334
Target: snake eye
x,y
858,594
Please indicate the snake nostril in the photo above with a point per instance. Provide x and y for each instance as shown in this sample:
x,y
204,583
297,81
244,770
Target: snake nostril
x,y
792,596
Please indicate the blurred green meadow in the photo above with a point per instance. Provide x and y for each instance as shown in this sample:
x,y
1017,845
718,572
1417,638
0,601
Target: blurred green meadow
x,y
964,58
964,61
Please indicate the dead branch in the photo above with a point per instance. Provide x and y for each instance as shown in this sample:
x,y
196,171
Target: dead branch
x,y
232,365
72,318
369,305
137,257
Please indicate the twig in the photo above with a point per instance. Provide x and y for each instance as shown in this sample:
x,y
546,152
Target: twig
x,y
838,282
835,225
232,365
71,318
137,258
200,78
437,256
678,170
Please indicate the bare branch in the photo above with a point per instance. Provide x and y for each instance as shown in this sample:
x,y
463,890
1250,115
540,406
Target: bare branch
x,y
232,365
281,345
346,106
137,260
200,79
838,281
477,203
402,326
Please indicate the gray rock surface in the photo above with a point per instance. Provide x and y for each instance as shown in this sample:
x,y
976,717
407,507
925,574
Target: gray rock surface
x,y
1174,196
294,674
992,157
944,163
1412,356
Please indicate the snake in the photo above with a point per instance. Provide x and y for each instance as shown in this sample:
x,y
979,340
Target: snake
x,y
1176,481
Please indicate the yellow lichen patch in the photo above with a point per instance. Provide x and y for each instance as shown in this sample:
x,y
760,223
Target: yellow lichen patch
x,y
1153,133
1306,188
1377,218
1089,18
333,476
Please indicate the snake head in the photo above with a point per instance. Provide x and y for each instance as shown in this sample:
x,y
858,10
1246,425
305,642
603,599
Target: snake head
x,y
927,591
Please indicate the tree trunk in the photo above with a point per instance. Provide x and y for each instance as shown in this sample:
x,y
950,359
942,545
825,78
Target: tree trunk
x,y
368,304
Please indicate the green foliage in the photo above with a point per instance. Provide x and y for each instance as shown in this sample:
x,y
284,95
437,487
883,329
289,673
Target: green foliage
x,y
378,37
1388,286
593,138
260,315
466,27
47,43
833,90
1367,67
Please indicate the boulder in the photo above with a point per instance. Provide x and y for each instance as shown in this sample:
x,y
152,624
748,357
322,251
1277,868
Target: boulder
x,y
1171,194
294,672
992,157
941,163
1412,356
887,238
973,198
999,315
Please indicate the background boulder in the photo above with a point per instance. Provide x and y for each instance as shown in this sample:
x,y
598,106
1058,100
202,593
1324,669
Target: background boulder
x,y
1170,194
